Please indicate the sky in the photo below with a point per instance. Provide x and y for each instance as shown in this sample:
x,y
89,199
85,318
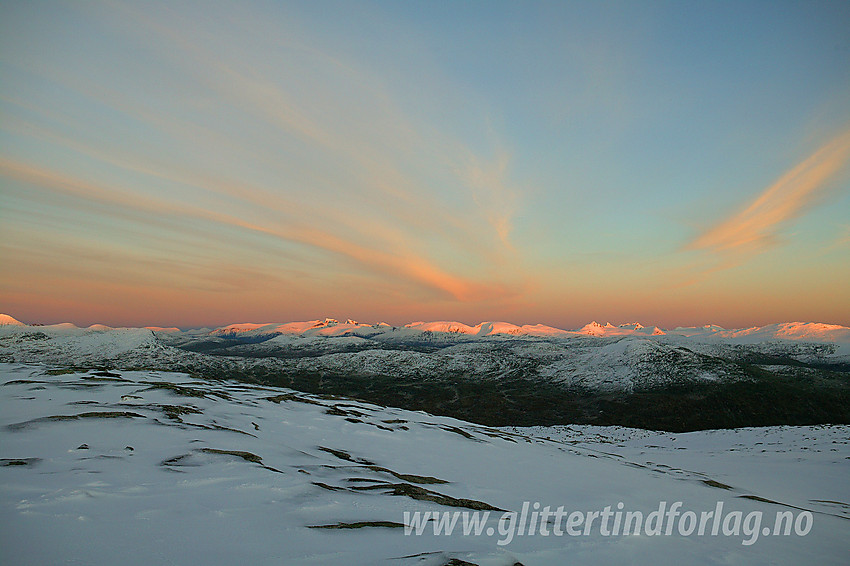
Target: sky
x,y
204,163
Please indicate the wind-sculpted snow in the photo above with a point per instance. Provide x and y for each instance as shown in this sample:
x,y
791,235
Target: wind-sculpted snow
x,y
143,467
738,458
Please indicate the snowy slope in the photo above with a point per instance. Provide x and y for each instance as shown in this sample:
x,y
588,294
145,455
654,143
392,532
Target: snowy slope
x,y
774,335
5,319
74,345
140,467
801,460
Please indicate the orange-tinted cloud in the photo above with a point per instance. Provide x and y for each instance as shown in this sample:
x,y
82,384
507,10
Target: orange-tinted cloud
x,y
401,264
753,228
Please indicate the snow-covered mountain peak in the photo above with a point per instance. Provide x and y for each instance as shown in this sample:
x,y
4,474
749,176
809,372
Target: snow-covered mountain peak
x,y
164,330
592,328
330,327
442,326
6,319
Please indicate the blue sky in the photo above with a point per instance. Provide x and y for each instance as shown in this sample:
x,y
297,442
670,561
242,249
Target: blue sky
x,y
201,163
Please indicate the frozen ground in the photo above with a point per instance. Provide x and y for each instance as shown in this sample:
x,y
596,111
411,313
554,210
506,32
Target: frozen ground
x,y
802,466
145,467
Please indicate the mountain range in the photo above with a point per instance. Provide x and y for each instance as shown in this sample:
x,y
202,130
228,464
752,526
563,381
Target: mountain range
x,y
497,373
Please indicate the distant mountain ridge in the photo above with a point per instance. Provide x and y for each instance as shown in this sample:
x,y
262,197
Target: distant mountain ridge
x,y
811,331
329,327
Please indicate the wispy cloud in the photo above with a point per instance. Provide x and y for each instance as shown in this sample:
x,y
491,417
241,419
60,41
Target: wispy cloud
x,y
754,228
369,137
400,264
303,152
492,193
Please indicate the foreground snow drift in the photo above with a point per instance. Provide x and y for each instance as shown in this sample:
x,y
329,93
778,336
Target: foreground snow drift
x,y
140,467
